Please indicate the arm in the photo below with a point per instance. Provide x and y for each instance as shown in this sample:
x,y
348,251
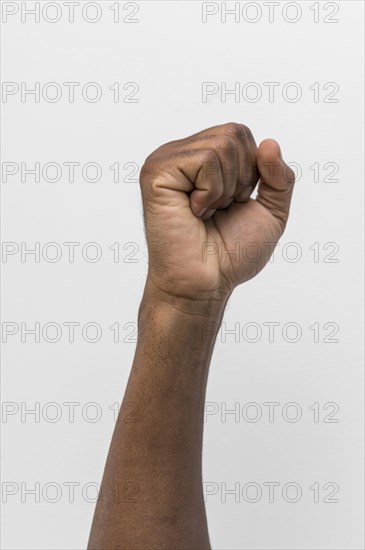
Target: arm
x,y
159,455
195,191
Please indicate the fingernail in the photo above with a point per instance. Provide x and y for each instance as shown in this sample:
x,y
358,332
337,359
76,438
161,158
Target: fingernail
x,y
201,212
208,214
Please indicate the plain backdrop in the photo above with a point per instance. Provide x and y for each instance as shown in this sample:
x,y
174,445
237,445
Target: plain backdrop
x,y
283,464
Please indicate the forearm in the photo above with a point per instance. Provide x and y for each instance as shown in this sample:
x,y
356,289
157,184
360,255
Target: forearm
x,y
198,213
159,454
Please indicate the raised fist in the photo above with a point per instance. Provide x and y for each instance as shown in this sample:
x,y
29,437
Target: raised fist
x,y
205,233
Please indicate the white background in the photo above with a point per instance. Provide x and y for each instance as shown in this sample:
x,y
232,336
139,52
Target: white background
x,y
169,53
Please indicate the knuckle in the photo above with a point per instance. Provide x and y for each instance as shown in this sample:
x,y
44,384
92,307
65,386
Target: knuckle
x,y
155,161
150,161
215,192
211,174
226,143
211,158
151,170
290,175
145,170
237,131
157,154
148,168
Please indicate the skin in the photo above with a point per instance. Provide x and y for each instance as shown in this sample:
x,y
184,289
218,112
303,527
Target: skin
x,y
198,212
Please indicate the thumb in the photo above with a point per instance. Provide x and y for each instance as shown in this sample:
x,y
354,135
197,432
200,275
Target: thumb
x,y
276,181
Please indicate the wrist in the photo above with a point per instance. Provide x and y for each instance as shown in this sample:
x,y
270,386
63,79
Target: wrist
x,y
208,305
194,322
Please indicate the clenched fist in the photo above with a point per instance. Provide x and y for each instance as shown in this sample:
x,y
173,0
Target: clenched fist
x,y
205,233
205,236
